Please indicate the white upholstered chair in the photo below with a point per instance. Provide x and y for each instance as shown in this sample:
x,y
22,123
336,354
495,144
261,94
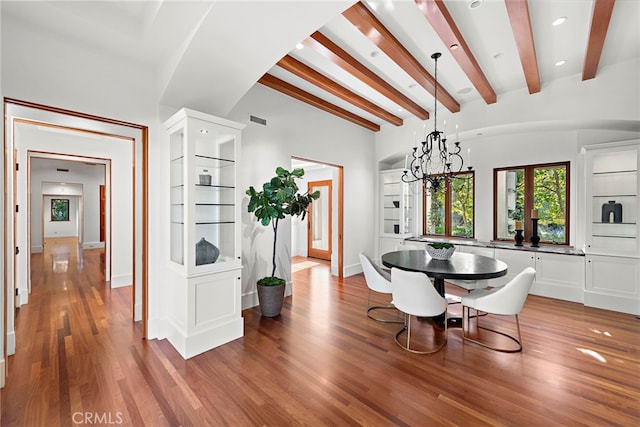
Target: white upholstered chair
x,y
414,295
413,246
379,281
507,300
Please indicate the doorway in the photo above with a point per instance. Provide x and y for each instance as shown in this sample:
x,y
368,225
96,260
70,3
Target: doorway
x,y
15,227
321,171
319,221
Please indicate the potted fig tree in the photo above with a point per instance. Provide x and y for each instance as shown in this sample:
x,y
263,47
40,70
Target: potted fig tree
x,y
278,199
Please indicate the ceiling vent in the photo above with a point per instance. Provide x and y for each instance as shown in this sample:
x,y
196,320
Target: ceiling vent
x,y
62,170
258,120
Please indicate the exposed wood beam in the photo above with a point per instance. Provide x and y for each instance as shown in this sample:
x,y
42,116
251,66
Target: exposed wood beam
x,y
440,19
299,94
307,73
518,11
372,28
602,10
338,56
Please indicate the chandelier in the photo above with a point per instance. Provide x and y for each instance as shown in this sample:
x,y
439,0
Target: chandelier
x,y
434,161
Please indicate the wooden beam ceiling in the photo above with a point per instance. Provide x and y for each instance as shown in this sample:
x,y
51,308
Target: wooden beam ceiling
x,y
301,95
372,28
338,56
518,11
307,73
602,10
440,19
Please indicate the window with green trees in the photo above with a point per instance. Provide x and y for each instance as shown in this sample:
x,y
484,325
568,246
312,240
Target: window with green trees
x,y
59,209
519,190
448,212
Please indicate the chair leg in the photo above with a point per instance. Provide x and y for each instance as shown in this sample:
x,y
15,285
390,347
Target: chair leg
x,y
379,307
466,337
407,328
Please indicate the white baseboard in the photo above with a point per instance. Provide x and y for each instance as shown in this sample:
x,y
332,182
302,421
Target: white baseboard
x,y
121,280
11,343
2,373
92,245
156,329
23,297
249,300
352,270
612,302
189,346
137,312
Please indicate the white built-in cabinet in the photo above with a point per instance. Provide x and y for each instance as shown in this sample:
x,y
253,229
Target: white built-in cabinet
x,y
557,275
612,235
397,210
204,255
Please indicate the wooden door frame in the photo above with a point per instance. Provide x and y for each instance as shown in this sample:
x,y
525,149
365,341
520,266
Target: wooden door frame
x,y
340,209
322,183
139,146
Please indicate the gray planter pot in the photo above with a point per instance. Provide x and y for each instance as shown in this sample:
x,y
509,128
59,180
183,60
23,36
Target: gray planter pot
x,y
270,299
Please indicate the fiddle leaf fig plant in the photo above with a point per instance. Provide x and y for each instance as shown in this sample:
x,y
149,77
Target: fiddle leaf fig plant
x,y
278,199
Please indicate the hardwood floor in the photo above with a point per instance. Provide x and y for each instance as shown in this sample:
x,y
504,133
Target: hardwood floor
x,y
80,361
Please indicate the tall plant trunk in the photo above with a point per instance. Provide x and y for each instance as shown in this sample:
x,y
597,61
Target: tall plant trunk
x,y
274,223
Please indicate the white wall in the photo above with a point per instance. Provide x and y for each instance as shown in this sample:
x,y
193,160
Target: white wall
x,y
2,236
298,130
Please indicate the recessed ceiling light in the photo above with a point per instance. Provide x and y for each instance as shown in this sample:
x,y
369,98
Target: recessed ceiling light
x,y
400,110
412,86
560,63
299,46
498,55
559,21
474,4
454,46
464,90
374,53
204,131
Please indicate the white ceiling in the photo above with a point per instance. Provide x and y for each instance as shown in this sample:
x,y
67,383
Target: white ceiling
x,y
196,45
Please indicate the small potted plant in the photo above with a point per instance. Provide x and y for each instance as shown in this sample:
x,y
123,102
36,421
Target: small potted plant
x,y
278,199
440,250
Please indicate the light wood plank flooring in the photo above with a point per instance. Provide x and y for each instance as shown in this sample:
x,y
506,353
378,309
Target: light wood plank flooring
x,y
80,361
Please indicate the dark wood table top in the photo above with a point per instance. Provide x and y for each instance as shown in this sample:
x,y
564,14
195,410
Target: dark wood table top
x,y
463,266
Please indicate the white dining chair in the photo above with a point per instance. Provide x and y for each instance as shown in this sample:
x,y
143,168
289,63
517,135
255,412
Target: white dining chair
x,y
413,246
378,281
507,300
414,295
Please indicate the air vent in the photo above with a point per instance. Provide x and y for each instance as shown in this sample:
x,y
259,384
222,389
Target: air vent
x,y
258,120
62,170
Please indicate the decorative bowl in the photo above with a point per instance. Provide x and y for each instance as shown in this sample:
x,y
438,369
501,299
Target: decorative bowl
x,y
440,253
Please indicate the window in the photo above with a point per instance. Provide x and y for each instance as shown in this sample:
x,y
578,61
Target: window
x,y
519,190
59,209
449,211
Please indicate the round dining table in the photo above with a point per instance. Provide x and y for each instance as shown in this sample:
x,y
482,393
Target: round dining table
x,y
461,266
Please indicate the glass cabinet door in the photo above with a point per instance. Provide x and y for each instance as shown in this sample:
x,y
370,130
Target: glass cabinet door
x,y
214,197
177,215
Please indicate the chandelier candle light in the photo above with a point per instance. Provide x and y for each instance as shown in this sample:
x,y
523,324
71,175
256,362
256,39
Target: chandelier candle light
x,y
434,161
